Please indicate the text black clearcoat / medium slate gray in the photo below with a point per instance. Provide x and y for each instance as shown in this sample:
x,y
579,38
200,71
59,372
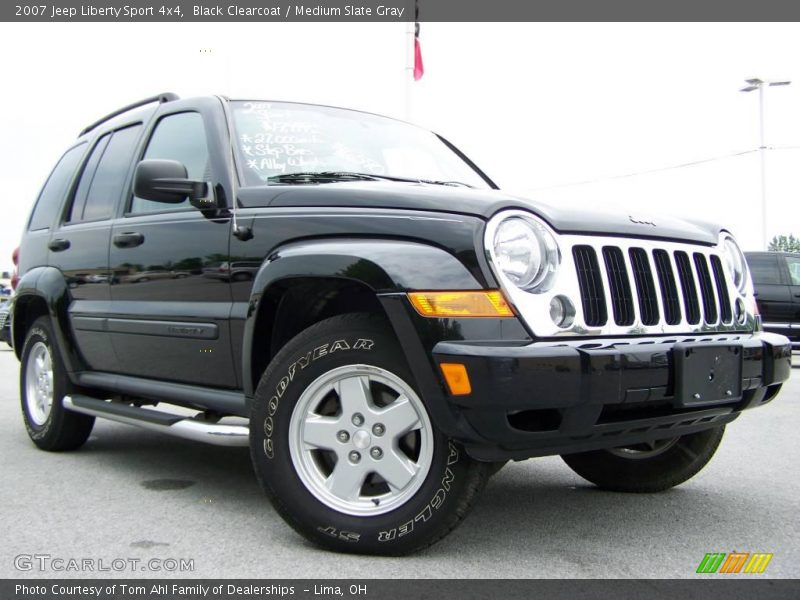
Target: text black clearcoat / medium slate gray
x,y
192,305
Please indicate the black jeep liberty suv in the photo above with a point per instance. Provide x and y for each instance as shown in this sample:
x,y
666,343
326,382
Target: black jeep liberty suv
x,y
354,299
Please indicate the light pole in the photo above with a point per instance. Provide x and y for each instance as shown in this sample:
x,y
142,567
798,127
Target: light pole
x,y
752,85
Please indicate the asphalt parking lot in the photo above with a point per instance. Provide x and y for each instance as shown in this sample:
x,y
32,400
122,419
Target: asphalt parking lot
x,y
129,493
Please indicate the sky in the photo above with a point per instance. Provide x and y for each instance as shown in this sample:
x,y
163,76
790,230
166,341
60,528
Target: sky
x,y
578,113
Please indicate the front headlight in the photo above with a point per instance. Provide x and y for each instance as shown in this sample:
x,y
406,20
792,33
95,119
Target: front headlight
x,y
734,259
526,253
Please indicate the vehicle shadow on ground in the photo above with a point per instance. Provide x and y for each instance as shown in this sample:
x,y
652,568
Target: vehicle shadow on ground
x,y
532,501
150,457
522,502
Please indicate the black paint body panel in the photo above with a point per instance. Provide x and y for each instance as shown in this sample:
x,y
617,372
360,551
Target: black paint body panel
x,y
479,203
188,314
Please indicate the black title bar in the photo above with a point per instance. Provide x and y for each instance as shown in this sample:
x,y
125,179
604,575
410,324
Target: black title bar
x,y
713,588
398,10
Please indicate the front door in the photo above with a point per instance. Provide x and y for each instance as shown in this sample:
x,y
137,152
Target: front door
x,y
169,321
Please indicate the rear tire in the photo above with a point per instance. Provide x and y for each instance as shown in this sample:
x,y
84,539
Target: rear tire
x,y
345,449
646,469
43,383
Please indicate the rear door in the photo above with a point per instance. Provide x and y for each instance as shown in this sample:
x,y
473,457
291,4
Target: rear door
x,y
34,251
79,241
169,322
772,291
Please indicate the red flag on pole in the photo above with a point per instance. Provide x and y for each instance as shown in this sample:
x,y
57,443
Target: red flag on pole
x,y
419,69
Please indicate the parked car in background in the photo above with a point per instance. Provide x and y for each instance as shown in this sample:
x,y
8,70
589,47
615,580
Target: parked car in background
x,y
5,323
776,277
6,290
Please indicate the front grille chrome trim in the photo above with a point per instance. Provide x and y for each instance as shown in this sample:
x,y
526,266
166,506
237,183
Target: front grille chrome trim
x,y
534,307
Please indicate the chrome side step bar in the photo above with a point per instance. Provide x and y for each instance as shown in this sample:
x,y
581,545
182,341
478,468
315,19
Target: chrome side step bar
x,y
177,425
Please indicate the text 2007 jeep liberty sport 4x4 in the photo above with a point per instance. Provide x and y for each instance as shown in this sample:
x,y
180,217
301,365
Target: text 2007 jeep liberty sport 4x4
x,y
404,328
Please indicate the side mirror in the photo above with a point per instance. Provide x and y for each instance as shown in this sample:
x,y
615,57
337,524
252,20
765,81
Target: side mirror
x,y
167,181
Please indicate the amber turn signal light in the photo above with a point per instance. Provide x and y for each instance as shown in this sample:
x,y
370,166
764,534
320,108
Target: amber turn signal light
x,y
455,374
483,303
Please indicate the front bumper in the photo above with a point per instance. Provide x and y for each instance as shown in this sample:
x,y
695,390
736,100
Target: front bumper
x,y
540,400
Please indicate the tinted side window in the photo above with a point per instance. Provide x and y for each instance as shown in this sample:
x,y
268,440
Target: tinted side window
x,y
764,269
110,176
180,137
55,189
794,270
79,201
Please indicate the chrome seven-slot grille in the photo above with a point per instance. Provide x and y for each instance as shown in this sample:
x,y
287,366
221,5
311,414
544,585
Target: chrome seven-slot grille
x,y
668,287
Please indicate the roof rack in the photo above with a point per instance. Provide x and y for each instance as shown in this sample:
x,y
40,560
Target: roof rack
x,y
160,98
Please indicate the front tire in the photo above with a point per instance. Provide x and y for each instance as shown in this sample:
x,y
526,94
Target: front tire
x,y
646,468
43,384
345,448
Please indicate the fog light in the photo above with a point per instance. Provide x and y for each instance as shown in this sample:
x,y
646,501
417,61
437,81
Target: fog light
x,y
562,311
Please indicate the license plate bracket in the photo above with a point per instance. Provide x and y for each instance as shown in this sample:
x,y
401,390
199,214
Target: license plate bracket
x,y
707,373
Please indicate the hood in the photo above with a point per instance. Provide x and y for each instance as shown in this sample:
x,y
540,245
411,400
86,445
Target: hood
x,y
578,219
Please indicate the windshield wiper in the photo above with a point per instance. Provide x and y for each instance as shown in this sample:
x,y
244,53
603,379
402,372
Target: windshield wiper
x,y
418,180
331,176
450,183
320,176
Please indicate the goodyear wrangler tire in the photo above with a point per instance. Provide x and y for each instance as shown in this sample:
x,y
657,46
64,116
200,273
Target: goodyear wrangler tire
x,y
345,449
43,383
647,468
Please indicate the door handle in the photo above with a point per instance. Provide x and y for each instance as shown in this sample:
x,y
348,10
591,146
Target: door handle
x,y
58,245
129,239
